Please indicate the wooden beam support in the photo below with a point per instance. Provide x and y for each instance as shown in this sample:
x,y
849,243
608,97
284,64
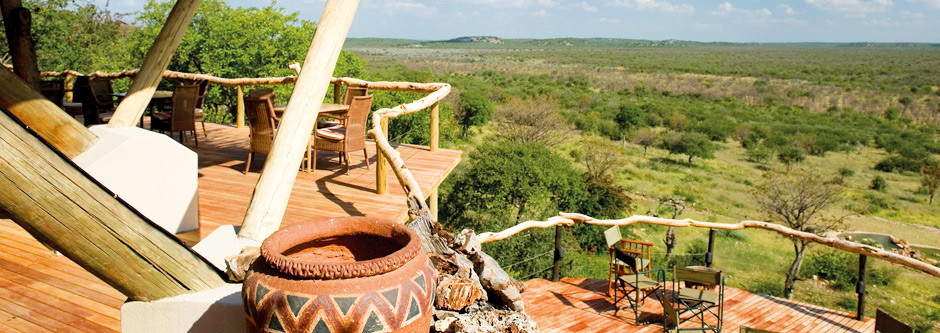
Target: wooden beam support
x,y
45,118
130,110
240,108
433,203
381,165
860,286
337,89
18,23
435,131
272,192
61,206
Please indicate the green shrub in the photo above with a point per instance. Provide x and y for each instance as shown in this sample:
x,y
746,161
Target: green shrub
x,y
879,183
691,144
845,172
790,155
766,287
841,269
759,154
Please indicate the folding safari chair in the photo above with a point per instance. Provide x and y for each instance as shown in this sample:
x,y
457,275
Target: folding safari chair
x,y
884,323
745,329
700,292
626,256
671,319
636,288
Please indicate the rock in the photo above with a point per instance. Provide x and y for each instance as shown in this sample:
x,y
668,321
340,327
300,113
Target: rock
x,y
466,242
455,293
455,264
496,281
485,322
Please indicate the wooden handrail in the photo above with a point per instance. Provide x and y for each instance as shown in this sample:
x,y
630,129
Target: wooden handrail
x,y
569,219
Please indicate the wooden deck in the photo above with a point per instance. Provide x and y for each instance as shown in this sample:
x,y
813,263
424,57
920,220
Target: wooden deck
x,y
44,292
581,305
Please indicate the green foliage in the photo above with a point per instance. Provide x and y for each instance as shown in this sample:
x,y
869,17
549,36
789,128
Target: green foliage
x,y
791,155
629,116
473,109
892,114
841,269
691,144
693,255
508,182
879,183
759,153
845,172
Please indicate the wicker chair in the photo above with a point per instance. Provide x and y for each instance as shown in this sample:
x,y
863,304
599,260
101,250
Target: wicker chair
x,y
266,93
102,99
353,92
261,121
201,104
54,90
182,118
343,138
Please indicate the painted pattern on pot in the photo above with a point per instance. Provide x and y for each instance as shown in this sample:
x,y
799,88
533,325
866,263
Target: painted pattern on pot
x,y
383,299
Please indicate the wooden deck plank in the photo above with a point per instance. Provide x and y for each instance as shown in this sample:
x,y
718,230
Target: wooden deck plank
x,y
41,291
578,305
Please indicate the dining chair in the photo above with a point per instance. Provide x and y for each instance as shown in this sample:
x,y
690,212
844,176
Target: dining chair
x,y
182,117
266,93
352,92
54,90
102,99
343,138
262,126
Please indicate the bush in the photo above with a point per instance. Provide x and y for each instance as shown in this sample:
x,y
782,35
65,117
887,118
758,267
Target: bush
x,y
841,270
790,155
879,184
691,144
845,172
473,109
759,154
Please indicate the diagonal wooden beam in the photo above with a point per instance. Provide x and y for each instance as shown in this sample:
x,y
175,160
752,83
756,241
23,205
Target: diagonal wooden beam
x,y
158,58
293,135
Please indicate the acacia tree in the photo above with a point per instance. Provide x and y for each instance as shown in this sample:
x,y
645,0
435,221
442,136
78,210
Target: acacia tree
x,y
692,144
797,199
645,137
532,120
930,177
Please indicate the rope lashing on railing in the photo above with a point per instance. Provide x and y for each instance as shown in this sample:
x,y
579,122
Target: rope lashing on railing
x,y
570,219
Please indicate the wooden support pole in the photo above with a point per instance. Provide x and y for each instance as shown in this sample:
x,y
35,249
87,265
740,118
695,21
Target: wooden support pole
x,y
559,254
61,206
272,192
337,96
130,110
18,23
45,118
381,165
433,203
860,287
435,132
240,108
709,256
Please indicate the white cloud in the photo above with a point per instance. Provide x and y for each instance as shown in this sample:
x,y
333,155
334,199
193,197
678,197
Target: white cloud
x,y
548,3
762,16
540,13
789,10
608,20
408,7
587,7
503,3
659,5
933,3
853,8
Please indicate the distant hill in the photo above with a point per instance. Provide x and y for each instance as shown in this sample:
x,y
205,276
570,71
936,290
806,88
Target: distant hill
x,y
569,42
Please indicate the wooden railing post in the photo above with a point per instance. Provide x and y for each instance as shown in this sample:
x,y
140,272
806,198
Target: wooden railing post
x,y
337,98
559,254
381,165
240,108
18,23
130,110
860,287
435,132
709,257
272,192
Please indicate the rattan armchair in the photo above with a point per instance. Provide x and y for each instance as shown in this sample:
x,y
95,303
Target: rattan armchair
x,y
54,90
262,123
102,99
343,138
182,118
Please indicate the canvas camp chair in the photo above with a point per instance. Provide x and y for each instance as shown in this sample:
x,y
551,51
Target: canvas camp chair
x,y
884,323
636,288
745,329
699,291
626,256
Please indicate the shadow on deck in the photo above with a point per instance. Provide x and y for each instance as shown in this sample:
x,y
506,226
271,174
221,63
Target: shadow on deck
x,y
582,305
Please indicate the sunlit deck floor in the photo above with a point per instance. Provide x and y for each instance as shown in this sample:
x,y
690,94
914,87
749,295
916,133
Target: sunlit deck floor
x,y
44,292
581,305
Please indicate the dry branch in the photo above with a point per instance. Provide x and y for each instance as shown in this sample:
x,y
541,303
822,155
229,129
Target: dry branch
x,y
569,219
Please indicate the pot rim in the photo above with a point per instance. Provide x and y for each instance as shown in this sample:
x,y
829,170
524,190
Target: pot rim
x,y
273,248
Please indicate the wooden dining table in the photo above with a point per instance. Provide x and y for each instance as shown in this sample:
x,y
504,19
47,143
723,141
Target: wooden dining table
x,y
336,111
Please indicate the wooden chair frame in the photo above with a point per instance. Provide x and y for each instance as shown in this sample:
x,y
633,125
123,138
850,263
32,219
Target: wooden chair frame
x,y
704,281
639,249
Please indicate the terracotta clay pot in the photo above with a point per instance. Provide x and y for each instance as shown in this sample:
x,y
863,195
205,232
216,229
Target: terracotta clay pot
x,y
340,275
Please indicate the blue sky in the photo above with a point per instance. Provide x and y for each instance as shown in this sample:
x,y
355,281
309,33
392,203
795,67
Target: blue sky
x,y
699,20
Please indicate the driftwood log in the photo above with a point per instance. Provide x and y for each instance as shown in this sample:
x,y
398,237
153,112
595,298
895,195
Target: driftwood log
x,y
130,110
569,219
272,192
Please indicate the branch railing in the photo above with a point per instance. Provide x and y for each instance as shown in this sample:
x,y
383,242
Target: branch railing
x,y
388,156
